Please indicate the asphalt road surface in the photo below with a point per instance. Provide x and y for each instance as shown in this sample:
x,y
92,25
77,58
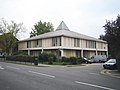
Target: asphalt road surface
x,y
21,77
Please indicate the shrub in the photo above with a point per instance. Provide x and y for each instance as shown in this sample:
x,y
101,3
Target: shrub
x,y
51,57
73,60
43,57
64,59
79,60
20,53
47,57
118,64
64,63
118,61
20,58
50,60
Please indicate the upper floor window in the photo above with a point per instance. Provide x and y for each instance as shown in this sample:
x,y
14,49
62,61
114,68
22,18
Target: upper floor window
x,y
76,42
93,44
90,44
28,44
35,43
56,41
40,43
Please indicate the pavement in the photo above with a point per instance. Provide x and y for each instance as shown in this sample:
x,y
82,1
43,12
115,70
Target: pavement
x,y
111,73
44,65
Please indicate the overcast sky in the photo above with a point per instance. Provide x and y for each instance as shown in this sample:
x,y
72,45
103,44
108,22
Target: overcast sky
x,y
82,16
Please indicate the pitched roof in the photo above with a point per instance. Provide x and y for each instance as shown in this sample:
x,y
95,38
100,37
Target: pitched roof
x,y
62,26
63,30
62,33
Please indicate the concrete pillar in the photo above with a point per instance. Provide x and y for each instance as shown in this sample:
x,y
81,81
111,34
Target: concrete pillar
x,y
107,51
28,52
96,52
42,50
62,54
62,41
107,54
81,53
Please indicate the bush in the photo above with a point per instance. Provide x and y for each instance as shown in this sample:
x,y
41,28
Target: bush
x,y
79,60
47,57
65,59
21,58
50,60
20,53
118,61
43,57
118,64
73,60
64,63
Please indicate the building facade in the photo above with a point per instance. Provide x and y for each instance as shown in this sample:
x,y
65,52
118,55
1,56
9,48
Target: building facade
x,y
63,42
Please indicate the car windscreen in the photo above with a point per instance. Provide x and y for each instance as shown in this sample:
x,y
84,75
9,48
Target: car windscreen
x,y
112,61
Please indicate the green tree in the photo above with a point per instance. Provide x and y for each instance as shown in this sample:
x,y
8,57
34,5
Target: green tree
x,y
8,35
112,36
41,28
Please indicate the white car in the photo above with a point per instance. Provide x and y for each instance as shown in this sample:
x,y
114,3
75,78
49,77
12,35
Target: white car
x,y
2,54
110,64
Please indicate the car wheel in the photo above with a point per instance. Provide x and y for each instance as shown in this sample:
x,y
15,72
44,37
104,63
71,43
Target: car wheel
x,y
86,62
104,67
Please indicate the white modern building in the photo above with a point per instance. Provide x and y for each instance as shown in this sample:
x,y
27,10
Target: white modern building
x,y
63,42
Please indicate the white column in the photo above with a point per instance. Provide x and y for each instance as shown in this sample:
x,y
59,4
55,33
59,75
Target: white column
x,y
62,41
81,53
28,52
42,50
107,54
107,51
62,53
96,52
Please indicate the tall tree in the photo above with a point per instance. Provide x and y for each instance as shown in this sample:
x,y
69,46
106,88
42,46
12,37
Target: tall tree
x,y
41,28
112,36
8,35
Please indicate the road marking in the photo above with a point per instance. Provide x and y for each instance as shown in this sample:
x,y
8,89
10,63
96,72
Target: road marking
x,y
94,73
42,74
1,67
93,85
13,67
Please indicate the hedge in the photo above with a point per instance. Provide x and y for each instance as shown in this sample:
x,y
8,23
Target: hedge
x,y
20,58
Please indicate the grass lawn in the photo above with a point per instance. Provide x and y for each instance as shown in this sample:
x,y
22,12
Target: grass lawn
x,y
56,63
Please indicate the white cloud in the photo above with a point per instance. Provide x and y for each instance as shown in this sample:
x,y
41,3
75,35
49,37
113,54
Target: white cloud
x,y
83,16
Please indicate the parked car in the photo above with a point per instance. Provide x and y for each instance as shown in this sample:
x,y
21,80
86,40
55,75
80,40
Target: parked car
x,y
110,64
1,55
99,58
85,60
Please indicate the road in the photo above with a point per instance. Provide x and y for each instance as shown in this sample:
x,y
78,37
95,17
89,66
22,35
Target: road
x,y
21,77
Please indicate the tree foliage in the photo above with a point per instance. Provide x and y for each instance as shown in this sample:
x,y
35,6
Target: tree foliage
x,y
112,36
41,28
8,35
